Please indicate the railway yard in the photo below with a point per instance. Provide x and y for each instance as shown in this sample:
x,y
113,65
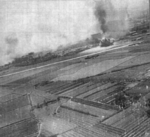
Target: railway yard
x,y
102,94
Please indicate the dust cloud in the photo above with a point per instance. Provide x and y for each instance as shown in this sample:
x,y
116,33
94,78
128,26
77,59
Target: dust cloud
x,y
35,26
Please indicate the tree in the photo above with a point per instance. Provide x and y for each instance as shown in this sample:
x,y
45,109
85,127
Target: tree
x,y
121,100
148,103
148,113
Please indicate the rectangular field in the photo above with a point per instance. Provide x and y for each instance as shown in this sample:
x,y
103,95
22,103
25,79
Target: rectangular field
x,y
15,116
83,89
98,88
13,104
20,129
100,94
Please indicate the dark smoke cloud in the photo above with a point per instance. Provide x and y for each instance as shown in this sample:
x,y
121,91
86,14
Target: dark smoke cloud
x,y
110,20
101,14
104,10
114,16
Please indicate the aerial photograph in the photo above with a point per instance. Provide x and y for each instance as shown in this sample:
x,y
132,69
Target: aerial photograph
x,y
74,68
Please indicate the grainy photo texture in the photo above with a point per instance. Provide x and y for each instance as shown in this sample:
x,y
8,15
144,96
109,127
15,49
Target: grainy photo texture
x,y
74,68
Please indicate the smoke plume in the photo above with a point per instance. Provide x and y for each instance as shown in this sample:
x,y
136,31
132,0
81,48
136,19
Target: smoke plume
x,y
115,16
34,26
101,14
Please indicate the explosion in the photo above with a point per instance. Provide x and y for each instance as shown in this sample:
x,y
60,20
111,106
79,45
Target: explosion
x,y
115,16
37,26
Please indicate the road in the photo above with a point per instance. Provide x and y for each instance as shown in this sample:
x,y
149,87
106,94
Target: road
x,y
67,60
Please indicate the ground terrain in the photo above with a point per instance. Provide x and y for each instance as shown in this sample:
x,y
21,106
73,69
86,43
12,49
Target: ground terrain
x,y
76,96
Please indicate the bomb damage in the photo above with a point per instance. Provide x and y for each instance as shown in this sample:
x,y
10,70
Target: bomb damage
x,y
74,68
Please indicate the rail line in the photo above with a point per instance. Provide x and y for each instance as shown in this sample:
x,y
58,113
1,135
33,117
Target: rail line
x,y
67,60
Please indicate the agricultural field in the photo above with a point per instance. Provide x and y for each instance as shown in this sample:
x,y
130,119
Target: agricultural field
x,y
95,92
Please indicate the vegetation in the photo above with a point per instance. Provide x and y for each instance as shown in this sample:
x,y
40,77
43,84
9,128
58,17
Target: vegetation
x,y
5,67
31,60
121,100
124,100
43,83
148,113
139,105
148,103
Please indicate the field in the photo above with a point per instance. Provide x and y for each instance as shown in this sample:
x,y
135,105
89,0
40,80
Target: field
x,y
76,95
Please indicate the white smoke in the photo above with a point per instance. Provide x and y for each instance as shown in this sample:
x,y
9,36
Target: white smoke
x,y
35,26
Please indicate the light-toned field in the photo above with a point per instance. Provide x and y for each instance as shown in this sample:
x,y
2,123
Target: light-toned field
x,y
90,70
141,59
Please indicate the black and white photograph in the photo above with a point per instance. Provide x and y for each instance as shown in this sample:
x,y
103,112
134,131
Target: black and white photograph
x,y
74,68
